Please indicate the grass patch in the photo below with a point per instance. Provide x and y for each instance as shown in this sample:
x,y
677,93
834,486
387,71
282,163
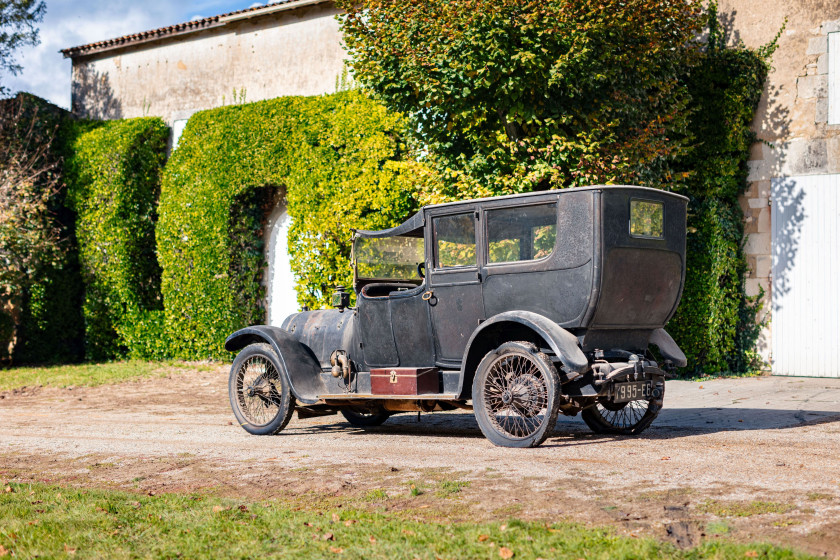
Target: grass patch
x,y
415,488
90,375
718,527
447,488
376,495
58,522
817,496
743,509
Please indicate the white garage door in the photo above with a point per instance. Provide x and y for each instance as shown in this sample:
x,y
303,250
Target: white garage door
x,y
806,276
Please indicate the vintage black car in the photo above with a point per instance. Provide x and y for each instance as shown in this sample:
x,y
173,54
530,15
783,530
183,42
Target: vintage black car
x,y
517,307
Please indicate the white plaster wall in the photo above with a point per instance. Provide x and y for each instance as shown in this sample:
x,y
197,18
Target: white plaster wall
x,y
281,299
297,52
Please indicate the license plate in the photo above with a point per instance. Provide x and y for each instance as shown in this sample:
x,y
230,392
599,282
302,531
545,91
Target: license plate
x,y
637,390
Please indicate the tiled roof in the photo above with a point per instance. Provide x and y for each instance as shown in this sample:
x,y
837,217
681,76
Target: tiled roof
x,y
186,27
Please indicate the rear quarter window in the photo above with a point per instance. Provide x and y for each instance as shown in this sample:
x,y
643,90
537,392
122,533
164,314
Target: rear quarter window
x,y
647,219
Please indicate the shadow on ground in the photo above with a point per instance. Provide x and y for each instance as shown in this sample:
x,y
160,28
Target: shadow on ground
x,y
672,423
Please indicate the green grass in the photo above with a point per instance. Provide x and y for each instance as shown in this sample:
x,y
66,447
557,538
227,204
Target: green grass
x,y
90,374
376,495
814,496
447,488
743,509
59,522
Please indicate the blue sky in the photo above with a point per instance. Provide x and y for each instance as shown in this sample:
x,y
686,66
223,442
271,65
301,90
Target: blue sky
x,y
70,23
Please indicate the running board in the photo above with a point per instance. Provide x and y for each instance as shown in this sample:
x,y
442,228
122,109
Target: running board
x,y
422,397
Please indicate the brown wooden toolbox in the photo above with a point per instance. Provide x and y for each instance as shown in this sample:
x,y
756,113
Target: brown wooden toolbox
x,y
404,381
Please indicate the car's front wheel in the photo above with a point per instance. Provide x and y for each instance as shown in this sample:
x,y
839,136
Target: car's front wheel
x,y
260,397
515,395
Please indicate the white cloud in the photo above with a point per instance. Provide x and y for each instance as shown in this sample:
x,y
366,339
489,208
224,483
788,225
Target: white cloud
x,y
71,23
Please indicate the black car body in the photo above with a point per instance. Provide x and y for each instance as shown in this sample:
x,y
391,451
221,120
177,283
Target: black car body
x,y
573,286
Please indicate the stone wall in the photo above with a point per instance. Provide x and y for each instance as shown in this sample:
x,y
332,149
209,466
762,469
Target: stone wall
x,y
292,52
791,122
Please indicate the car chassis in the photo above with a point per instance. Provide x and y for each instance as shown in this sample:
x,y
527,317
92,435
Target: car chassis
x,y
516,307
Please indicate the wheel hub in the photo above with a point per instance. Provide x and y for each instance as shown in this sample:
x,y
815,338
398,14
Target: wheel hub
x,y
507,397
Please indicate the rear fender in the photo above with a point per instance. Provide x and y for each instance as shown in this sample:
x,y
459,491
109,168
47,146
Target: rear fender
x,y
668,347
511,326
298,363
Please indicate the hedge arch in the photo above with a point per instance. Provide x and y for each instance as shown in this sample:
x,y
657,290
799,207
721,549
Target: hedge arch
x,y
340,161
112,171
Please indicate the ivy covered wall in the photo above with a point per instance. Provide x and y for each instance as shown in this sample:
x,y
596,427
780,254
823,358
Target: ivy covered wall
x,y
112,175
716,323
338,160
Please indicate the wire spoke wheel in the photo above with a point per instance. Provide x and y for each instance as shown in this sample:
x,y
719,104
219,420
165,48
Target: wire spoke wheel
x,y
259,395
515,395
606,417
257,383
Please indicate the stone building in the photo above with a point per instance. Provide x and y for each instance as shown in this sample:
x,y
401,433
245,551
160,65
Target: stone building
x,y
293,47
792,207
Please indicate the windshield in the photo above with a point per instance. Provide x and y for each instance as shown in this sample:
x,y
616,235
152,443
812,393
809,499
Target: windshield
x,y
388,258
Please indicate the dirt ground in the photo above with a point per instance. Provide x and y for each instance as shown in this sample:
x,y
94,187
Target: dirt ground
x,y
717,463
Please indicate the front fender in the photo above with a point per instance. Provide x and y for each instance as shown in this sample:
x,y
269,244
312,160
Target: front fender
x,y
298,363
563,343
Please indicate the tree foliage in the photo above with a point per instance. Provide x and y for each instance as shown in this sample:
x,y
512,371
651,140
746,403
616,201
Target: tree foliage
x,y
29,233
519,95
18,19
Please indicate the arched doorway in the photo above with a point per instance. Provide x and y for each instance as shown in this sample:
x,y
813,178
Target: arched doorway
x,y
281,298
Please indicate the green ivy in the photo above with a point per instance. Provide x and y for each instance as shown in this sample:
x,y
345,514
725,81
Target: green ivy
x,y
339,162
716,323
112,173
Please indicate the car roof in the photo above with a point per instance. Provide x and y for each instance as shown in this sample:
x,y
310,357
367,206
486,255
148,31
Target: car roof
x,y
554,191
413,227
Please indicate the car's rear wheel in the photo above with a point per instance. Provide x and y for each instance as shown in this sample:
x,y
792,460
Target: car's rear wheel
x,y
631,418
515,395
362,418
260,397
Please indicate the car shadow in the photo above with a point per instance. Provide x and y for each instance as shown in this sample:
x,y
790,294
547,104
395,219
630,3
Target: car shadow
x,y
671,423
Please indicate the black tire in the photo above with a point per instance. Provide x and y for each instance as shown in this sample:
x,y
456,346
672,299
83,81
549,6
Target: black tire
x,y
365,418
516,395
628,419
260,396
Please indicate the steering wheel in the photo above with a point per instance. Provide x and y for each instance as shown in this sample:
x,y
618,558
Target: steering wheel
x,y
421,269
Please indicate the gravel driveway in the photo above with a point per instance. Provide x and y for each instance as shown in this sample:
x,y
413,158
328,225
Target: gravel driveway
x,y
717,452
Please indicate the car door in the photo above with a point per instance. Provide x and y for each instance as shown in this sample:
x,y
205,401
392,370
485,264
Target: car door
x,y
454,296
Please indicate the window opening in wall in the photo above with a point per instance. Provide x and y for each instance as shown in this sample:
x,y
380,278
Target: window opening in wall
x,y
177,130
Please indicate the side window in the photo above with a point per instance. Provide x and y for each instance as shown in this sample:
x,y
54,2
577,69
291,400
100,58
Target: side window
x,y
646,218
455,239
525,233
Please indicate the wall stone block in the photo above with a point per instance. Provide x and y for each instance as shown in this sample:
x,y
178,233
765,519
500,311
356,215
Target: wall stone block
x,y
808,87
757,244
817,45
